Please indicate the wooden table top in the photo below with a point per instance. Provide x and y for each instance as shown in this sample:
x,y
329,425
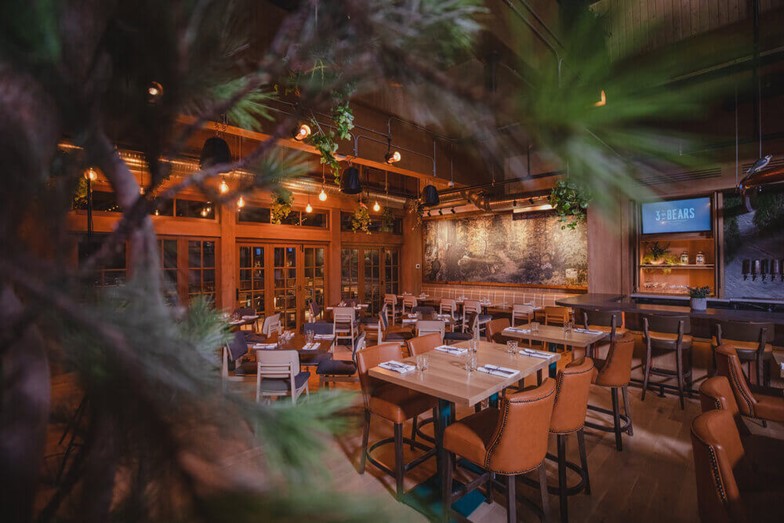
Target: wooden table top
x,y
296,343
555,334
447,379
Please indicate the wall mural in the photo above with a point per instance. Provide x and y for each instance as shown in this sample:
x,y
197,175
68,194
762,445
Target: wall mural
x,y
530,249
754,246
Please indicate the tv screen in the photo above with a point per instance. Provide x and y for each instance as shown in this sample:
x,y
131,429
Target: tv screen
x,y
692,215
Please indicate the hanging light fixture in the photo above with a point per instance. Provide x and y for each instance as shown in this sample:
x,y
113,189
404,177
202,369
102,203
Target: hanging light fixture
x,y
303,132
91,174
452,210
392,157
351,182
376,206
240,202
223,187
430,195
154,92
215,150
323,194
308,207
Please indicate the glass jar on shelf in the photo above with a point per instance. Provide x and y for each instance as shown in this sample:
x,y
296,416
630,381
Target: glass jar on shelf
x,y
700,259
684,257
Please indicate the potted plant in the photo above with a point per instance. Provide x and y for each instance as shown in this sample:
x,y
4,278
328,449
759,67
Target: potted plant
x,y
699,298
360,221
570,202
281,205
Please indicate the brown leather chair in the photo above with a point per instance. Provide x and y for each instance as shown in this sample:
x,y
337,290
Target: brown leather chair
x,y
756,402
610,322
571,403
422,344
668,334
509,440
615,373
392,403
751,340
766,455
721,469
494,330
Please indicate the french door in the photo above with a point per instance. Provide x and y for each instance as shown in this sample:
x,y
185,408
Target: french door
x,y
369,272
283,279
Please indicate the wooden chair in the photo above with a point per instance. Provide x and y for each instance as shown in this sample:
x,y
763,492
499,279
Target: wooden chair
x,y
344,321
449,306
494,331
409,302
271,324
522,311
236,364
510,440
472,331
316,311
554,315
332,370
764,403
390,302
385,333
394,404
428,326
278,374
473,307
751,341
422,344
668,334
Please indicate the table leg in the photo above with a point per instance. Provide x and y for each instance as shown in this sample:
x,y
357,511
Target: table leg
x,y
493,401
445,414
553,369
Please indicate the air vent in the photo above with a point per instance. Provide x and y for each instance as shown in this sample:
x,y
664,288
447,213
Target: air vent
x,y
654,178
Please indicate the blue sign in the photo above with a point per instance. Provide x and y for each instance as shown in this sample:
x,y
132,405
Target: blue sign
x,y
693,215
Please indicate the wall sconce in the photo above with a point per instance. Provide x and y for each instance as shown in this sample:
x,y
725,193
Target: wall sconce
x,y
303,132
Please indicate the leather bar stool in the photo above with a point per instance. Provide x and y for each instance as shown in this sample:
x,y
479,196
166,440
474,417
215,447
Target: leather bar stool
x,y
763,403
509,440
615,373
668,334
610,322
720,464
751,341
392,403
494,331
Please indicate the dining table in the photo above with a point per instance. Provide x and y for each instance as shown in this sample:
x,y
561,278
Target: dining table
x,y
308,355
557,335
447,379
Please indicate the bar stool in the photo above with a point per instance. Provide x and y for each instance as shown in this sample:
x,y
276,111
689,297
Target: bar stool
x,y
509,440
668,334
392,403
615,373
751,341
764,403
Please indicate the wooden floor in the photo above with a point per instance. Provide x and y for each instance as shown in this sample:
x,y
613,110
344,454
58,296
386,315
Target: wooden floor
x,y
651,480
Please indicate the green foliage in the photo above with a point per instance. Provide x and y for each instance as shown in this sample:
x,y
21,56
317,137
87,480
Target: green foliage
x,y
770,211
699,292
325,144
277,165
570,201
344,120
387,220
281,205
250,108
360,220
29,30
416,208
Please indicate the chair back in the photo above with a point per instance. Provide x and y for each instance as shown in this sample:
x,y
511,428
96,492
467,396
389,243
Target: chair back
x,y
519,443
555,315
679,324
744,331
522,311
470,306
571,397
390,299
319,327
343,315
409,302
728,365
277,363
271,324
245,311
315,309
373,357
716,394
425,310
608,321
427,326
494,329
717,450
471,322
237,347
447,305
359,345
617,369
423,344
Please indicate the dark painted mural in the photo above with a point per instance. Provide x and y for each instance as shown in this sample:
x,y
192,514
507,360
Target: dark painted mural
x,y
531,248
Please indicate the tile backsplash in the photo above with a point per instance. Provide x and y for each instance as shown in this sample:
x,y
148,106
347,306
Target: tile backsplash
x,y
508,295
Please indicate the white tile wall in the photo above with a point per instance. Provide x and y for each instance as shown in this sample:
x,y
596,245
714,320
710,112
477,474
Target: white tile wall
x,y
509,295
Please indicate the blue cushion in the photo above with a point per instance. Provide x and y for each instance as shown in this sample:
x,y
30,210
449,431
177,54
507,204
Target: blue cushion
x,y
252,337
319,327
339,367
238,347
484,318
399,336
284,384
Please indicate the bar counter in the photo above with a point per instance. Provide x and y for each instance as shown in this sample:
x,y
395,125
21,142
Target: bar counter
x,y
702,321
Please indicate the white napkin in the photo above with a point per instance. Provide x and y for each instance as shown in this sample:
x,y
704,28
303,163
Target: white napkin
x,y
396,366
537,354
409,320
265,345
518,329
495,370
311,346
588,331
455,351
324,336
413,316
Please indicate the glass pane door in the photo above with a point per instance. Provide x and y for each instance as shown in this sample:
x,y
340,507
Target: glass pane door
x,y
314,275
349,274
372,281
392,271
251,278
285,285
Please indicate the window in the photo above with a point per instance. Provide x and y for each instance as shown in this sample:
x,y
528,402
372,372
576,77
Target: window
x,y
201,269
392,271
253,215
318,219
114,271
349,273
194,209
103,201
251,290
376,225
168,254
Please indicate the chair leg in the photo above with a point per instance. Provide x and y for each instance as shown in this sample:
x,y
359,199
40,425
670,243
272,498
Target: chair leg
x,y
625,391
413,431
584,460
399,459
646,373
446,486
616,419
679,371
562,477
489,488
543,492
365,436
511,499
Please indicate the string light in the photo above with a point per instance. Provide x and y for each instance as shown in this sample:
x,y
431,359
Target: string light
x,y
224,187
308,208
323,195
376,206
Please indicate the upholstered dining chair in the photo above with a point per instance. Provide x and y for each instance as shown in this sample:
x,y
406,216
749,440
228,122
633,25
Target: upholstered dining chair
x,y
471,308
236,364
345,327
751,341
387,333
271,324
392,310
764,403
394,404
494,331
278,374
330,370
506,441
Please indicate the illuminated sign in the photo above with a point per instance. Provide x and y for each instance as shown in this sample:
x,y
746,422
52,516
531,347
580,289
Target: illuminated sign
x,y
692,215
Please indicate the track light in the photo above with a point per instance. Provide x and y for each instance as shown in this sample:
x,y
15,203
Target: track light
x,y
376,206
453,210
154,92
323,195
428,214
223,187
514,203
392,157
440,212
531,201
302,132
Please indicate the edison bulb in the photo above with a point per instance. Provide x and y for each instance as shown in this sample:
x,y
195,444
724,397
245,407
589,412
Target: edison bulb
x,y
323,195
376,207
224,187
308,208
241,202
91,174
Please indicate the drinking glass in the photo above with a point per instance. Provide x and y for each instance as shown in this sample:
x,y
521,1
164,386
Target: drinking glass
x,y
422,362
534,326
470,362
473,345
511,347
310,335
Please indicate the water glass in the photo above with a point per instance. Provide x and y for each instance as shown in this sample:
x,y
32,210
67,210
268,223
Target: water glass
x,y
422,362
534,326
511,347
310,335
473,345
470,362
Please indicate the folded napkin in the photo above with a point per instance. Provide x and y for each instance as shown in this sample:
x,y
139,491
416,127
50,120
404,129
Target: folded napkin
x,y
254,317
518,329
537,354
265,345
396,366
311,346
324,336
414,316
409,320
456,351
588,331
495,370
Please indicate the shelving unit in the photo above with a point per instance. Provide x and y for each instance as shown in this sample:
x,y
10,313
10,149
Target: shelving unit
x,y
674,279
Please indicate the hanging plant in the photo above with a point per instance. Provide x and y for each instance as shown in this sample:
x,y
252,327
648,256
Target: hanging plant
x,y
325,144
360,221
416,208
281,205
344,120
387,220
570,201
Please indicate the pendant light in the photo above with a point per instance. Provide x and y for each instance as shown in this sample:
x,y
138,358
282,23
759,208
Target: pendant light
x,y
376,206
215,150
350,181
223,187
430,193
308,207
323,194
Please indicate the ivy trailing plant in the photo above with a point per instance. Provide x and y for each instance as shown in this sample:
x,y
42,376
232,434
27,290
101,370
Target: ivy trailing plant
x,y
360,221
387,220
344,120
281,205
416,208
570,201
325,141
